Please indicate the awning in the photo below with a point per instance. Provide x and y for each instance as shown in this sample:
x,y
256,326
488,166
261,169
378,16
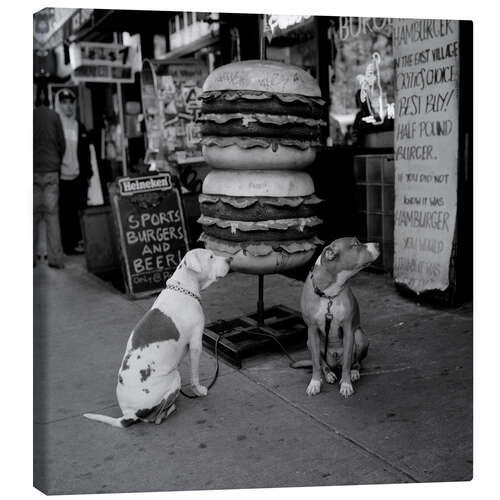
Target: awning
x,y
53,26
119,21
287,30
188,49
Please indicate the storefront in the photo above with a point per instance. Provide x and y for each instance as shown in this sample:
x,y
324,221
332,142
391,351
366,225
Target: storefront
x,y
380,79
396,164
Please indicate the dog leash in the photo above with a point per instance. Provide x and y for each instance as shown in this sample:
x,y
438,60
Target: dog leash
x,y
328,321
216,374
216,352
328,314
180,289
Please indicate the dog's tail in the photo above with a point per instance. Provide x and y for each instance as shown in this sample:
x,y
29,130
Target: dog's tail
x,y
303,363
115,422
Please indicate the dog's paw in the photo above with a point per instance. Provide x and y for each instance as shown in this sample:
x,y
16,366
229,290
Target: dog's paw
x,y
355,375
330,377
346,389
199,390
314,387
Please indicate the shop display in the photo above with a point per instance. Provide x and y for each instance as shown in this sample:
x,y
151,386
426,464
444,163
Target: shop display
x,y
170,98
260,124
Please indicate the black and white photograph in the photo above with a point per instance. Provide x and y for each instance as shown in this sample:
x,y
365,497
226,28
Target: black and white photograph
x,y
252,249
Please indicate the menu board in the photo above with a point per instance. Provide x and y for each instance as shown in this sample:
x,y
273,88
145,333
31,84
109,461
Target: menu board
x,y
149,218
426,58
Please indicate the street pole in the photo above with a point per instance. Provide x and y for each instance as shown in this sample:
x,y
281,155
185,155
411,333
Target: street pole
x,y
122,128
262,37
122,120
260,302
263,56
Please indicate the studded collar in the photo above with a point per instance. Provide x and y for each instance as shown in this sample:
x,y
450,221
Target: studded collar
x,y
178,288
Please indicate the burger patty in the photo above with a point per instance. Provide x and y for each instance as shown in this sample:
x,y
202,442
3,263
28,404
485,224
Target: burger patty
x,y
257,142
292,233
255,212
272,105
257,129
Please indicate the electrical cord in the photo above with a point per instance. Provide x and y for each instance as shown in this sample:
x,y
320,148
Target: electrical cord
x,y
271,336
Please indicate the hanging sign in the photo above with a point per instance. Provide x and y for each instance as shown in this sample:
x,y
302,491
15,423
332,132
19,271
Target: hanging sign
x,y
426,57
149,218
101,62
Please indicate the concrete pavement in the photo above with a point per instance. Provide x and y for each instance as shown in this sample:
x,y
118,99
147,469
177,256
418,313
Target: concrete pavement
x,y
410,419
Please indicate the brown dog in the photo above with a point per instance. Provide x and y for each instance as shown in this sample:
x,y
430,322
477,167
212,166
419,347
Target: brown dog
x,y
331,313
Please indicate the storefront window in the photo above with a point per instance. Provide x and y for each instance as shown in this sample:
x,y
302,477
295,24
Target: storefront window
x,y
172,25
361,78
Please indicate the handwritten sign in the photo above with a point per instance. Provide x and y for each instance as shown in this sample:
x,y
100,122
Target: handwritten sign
x,y
149,218
426,58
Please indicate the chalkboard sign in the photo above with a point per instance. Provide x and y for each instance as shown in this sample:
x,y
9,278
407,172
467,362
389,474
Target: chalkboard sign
x,y
426,58
149,219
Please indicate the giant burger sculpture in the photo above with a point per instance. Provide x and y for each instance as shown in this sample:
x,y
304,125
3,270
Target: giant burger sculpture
x,y
260,124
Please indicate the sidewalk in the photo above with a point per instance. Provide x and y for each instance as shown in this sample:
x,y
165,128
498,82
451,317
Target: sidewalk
x,y
409,420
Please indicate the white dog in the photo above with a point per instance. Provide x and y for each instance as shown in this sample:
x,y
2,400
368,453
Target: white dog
x,y
148,380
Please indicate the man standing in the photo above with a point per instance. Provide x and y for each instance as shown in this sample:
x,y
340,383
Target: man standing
x,y
76,171
48,150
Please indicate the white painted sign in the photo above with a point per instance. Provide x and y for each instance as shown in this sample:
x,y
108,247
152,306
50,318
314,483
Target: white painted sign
x,y
101,62
426,58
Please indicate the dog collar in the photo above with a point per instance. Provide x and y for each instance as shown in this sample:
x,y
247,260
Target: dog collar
x,y
320,292
180,289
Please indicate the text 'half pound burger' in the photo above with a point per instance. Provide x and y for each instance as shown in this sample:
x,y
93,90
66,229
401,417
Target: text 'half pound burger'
x,y
260,125
260,113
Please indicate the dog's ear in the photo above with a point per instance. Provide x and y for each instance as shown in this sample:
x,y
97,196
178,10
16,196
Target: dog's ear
x,y
331,253
192,262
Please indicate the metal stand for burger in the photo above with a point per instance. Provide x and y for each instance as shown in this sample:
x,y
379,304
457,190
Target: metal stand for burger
x,y
260,124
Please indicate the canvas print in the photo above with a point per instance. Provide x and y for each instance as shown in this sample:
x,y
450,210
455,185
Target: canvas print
x,y
252,255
